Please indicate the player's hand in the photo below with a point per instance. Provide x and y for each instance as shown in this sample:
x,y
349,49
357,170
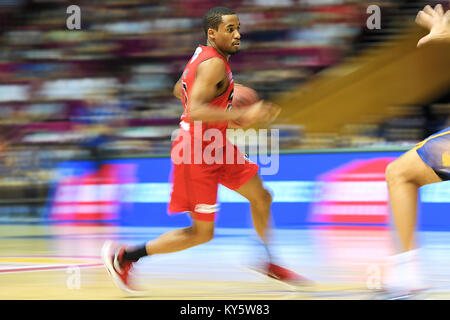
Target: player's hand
x,y
260,111
436,21
272,114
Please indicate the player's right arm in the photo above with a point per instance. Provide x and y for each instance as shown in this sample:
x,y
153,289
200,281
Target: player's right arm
x,y
437,22
210,74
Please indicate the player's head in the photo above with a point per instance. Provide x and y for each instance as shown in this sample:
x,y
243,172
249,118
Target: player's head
x,y
221,26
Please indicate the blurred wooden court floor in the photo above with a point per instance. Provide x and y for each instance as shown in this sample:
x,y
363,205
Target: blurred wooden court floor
x,y
63,262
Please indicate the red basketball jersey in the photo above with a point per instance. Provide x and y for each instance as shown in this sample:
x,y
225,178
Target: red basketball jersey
x,y
195,178
223,101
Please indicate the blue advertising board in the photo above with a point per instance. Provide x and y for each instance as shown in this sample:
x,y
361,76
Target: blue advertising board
x,y
308,188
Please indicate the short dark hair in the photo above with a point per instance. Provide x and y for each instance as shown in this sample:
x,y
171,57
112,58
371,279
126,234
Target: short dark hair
x,y
213,18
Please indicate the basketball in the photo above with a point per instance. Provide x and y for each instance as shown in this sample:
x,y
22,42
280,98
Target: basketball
x,y
243,97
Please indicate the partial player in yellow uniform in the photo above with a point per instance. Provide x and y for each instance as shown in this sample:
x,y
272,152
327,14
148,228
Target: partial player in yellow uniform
x,y
428,162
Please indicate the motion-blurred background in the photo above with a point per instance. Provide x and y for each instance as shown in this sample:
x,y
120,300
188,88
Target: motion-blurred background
x,y
105,91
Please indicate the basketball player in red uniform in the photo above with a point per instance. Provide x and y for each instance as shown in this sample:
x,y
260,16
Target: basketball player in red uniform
x,y
428,162
206,89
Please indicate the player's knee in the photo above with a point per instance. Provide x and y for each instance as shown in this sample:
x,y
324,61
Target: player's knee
x,y
396,171
203,236
391,172
262,198
267,197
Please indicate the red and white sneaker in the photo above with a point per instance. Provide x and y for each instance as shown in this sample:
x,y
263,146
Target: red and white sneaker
x,y
118,269
285,275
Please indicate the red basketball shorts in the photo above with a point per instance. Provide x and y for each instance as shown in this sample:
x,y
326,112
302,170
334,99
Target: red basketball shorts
x,y
195,186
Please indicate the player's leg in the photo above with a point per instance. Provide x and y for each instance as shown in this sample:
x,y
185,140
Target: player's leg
x,y
404,177
260,201
181,239
242,177
194,190
119,259
424,164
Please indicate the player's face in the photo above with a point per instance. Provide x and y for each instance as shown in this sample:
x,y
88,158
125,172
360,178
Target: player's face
x,y
228,36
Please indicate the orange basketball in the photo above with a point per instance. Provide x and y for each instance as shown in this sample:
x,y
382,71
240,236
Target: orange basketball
x,y
243,97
